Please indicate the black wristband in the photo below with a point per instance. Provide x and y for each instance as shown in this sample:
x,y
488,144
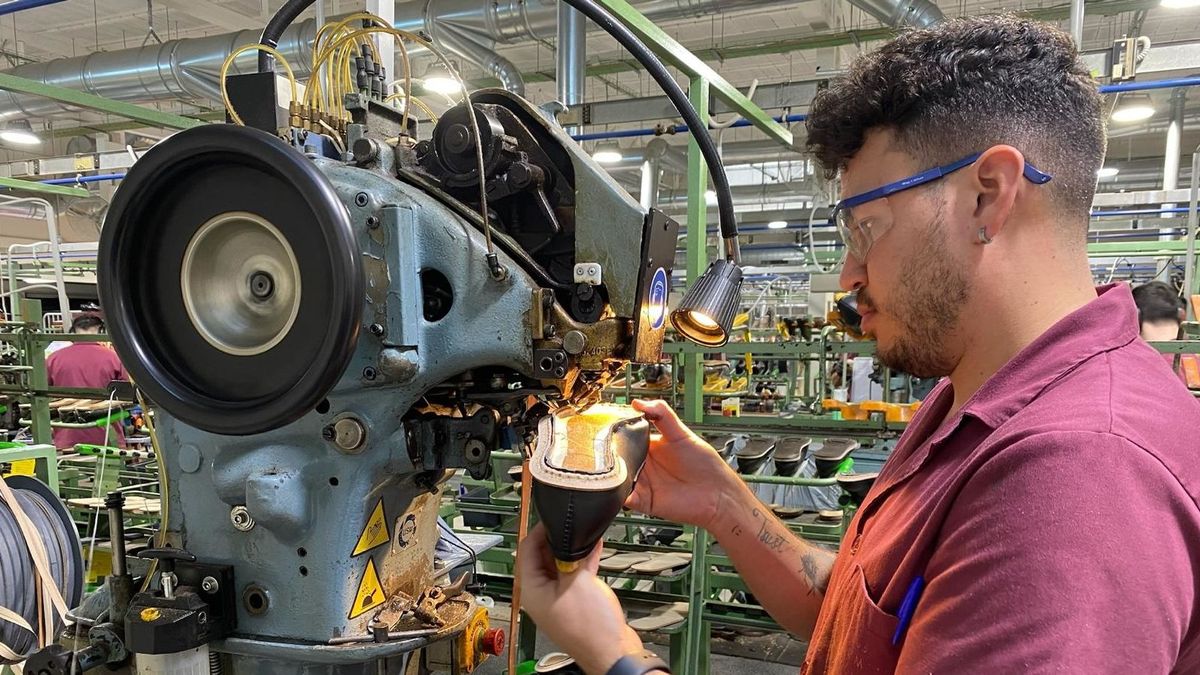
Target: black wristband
x,y
638,664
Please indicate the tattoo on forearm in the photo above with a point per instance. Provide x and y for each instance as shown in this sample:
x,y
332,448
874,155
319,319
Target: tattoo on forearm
x,y
818,579
773,540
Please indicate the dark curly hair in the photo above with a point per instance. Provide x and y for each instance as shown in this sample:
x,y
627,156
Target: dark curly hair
x,y
963,86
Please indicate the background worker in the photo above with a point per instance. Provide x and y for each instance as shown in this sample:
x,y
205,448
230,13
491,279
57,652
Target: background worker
x,y
967,154
1162,312
89,365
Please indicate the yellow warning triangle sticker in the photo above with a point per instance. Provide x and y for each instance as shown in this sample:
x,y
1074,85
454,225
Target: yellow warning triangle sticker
x,y
370,593
374,534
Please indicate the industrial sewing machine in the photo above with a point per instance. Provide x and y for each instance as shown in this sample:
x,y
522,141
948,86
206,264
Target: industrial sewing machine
x,y
327,340
331,317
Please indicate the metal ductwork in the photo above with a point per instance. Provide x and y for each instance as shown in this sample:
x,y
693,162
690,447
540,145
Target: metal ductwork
x,y
177,69
187,69
918,13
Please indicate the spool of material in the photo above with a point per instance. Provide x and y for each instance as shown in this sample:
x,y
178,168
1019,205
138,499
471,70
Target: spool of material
x,y
52,526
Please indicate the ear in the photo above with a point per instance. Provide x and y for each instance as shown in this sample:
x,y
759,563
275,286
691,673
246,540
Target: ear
x,y
997,181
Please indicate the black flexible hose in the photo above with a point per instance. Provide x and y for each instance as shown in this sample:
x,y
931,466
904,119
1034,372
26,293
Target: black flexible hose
x,y
658,71
275,27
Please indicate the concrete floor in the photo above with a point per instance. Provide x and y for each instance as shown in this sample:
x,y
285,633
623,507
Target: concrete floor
x,y
760,654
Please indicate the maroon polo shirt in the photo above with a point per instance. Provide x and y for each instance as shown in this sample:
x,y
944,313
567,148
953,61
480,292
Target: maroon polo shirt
x,y
1054,519
85,365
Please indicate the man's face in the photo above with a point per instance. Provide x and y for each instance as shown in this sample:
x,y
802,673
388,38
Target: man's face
x,y
913,284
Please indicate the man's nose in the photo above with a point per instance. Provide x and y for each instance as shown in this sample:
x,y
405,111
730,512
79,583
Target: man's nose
x,y
854,274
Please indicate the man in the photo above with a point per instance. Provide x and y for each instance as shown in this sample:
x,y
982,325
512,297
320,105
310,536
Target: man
x,y
1041,508
1160,310
86,365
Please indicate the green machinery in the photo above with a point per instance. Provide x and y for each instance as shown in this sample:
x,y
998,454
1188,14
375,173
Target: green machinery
x,y
83,476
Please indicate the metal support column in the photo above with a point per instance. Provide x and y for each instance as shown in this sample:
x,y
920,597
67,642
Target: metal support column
x,y
697,248
386,44
1075,20
570,72
35,357
1189,270
1171,161
697,631
651,173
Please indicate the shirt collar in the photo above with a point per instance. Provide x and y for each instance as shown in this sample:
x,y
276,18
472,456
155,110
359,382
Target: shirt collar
x,y
1106,323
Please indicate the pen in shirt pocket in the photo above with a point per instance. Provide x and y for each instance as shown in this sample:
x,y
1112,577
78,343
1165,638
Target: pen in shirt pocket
x,y
908,607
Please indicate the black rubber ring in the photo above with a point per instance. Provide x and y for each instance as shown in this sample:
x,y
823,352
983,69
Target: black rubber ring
x,y
176,187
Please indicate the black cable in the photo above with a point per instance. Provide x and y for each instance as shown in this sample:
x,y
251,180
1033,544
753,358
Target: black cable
x,y
275,27
461,545
604,19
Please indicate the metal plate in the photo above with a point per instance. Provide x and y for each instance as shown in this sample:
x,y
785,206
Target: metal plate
x,y
654,287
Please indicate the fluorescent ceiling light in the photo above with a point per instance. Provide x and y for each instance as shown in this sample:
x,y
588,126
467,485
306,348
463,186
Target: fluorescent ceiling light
x,y
442,84
1133,108
777,225
608,153
19,132
1108,172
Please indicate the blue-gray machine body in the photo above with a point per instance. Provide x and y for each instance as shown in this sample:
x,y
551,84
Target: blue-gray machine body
x,y
326,340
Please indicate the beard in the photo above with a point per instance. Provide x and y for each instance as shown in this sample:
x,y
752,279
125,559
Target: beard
x,y
925,305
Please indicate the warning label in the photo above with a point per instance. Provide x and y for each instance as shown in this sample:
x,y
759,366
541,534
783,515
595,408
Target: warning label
x,y
374,534
370,593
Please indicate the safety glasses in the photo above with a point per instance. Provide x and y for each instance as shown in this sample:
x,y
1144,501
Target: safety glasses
x,y
859,233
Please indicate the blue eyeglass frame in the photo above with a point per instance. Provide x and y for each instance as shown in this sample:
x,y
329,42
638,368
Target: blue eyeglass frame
x,y
1031,173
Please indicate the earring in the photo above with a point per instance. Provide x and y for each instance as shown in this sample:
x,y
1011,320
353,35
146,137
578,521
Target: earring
x,y
983,236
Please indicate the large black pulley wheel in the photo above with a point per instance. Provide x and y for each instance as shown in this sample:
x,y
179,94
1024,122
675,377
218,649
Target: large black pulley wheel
x,y
231,279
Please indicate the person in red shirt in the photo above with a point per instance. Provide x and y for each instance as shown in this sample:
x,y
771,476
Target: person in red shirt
x,y
1161,312
86,365
1040,512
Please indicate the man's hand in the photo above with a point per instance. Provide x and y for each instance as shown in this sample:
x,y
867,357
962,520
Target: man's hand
x,y
684,479
577,611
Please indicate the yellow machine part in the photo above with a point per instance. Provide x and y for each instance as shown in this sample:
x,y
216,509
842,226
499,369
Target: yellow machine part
x,y
470,643
23,467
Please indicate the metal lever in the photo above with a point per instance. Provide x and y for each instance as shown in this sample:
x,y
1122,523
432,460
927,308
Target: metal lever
x,y
167,557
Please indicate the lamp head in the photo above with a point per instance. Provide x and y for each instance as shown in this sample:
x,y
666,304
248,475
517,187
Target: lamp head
x,y
705,316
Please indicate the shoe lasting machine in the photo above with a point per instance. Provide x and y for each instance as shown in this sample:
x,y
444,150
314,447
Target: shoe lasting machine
x,y
327,335
326,341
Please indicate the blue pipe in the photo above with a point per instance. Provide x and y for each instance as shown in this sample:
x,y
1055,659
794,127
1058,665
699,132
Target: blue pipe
x,y
19,5
677,129
76,180
1139,212
1155,84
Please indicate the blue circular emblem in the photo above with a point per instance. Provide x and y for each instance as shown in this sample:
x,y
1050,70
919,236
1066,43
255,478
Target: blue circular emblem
x,y
659,290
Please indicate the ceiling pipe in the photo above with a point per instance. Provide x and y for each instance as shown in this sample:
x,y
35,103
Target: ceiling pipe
x,y
187,69
919,13
22,5
483,55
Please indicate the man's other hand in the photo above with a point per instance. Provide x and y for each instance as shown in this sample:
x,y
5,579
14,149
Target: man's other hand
x,y
576,610
684,478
